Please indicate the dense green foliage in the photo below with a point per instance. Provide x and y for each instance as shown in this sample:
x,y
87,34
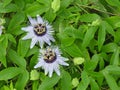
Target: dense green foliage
x,y
87,32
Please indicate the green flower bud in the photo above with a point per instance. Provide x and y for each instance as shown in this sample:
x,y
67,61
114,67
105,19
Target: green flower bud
x,y
78,60
55,5
96,22
75,82
2,21
34,75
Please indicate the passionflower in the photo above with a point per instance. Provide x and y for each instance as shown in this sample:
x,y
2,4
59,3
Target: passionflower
x,y
39,31
50,59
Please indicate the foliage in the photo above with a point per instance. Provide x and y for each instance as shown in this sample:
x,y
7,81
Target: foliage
x,y
87,30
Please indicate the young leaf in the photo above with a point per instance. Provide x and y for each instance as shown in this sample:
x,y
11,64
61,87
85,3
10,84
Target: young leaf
x,y
92,64
9,8
48,82
89,17
110,47
16,20
93,84
36,8
101,35
89,36
65,81
22,80
23,47
110,81
113,69
109,28
15,58
73,50
85,81
50,15
6,2
9,73
115,57
113,2
20,3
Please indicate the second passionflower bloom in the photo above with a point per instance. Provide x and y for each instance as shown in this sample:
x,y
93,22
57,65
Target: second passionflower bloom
x,y
50,59
39,31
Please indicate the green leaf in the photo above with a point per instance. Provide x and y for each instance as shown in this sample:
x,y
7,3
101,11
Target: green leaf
x,y
36,8
114,3
73,50
65,81
50,15
110,47
16,20
117,36
55,5
101,35
15,58
110,81
65,3
20,3
72,32
65,40
101,63
22,80
89,35
35,85
9,8
11,38
6,2
89,17
23,47
47,3
85,81
92,64
115,57
32,51
3,47
9,73
34,59
109,28
114,21
113,69
93,84
48,82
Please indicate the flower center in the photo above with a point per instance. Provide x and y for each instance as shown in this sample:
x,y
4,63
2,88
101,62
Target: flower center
x,y
49,56
40,29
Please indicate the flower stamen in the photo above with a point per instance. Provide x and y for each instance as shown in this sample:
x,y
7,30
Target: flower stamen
x,y
49,56
40,29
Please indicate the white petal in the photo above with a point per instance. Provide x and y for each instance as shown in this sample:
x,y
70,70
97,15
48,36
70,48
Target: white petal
x,y
32,21
39,64
41,43
39,19
33,42
29,28
50,71
63,63
57,70
46,39
46,70
50,37
0,31
28,36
